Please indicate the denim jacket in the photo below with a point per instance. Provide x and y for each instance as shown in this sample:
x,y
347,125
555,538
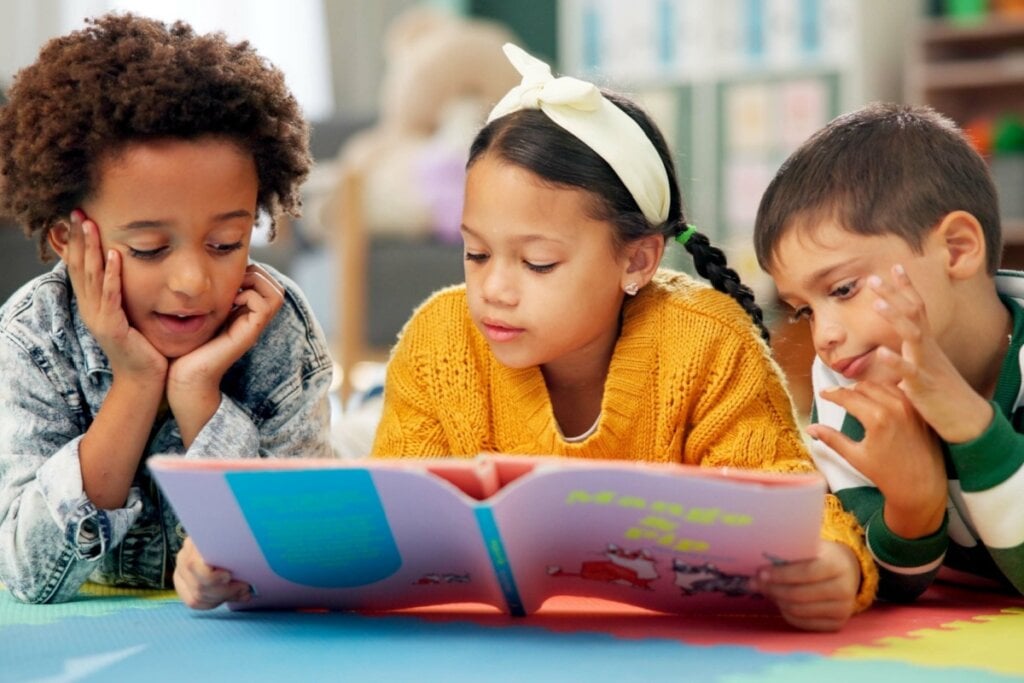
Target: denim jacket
x,y
52,538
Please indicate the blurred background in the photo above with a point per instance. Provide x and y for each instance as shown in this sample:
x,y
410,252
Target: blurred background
x,y
395,89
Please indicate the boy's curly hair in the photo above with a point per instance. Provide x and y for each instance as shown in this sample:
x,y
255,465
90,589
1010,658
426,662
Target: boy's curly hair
x,y
124,79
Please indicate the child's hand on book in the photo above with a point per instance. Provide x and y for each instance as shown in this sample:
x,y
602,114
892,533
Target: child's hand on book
x,y
203,587
819,594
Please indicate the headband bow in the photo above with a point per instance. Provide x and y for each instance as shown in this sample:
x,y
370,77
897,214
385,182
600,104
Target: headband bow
x,y
580,108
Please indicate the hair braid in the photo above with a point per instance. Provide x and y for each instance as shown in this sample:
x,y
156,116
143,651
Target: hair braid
x,y
711,264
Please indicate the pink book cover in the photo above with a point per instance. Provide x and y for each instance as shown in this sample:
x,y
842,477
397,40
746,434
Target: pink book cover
x,y
507,531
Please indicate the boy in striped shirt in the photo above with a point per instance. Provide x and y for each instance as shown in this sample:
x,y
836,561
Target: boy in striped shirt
x,y
882,230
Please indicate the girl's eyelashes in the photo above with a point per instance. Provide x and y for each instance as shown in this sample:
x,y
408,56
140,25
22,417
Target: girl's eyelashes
x,y
151,254
540,267
228,248
479,257
145,254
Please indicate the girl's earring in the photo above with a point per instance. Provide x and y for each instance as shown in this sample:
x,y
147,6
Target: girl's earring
x,y
632,288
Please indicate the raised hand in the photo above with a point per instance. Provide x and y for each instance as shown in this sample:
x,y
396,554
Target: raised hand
x,y
193,387
928,378
111,448
97,286
898,448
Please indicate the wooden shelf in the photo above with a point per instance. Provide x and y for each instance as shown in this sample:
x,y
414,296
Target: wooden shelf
x,y
989,33
997,72
968,69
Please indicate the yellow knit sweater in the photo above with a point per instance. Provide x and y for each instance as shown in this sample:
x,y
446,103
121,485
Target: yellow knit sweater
x,y
690,381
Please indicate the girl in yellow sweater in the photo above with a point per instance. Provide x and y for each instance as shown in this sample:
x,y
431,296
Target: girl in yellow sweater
x,y
568,339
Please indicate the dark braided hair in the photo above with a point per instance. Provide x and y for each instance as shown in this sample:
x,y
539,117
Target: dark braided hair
x,y
529,139
710,263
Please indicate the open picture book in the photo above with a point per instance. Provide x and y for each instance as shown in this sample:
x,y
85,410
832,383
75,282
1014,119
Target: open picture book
x,y
508,531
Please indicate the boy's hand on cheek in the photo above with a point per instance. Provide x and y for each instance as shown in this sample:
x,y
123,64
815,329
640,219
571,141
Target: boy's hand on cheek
x,y
97,288
899,453
929,379
193,387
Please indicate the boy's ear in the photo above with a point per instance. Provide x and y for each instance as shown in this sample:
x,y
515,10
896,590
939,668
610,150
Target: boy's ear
x,y
58,237
643,257
963,239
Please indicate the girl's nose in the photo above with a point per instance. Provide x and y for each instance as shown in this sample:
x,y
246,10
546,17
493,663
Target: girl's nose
x,y
499,286
188,277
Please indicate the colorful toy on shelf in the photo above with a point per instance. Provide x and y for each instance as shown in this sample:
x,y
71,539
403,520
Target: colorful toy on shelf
x,y
979,131
966,11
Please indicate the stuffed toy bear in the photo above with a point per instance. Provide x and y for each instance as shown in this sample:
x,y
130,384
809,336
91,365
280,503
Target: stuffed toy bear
x,y
442,75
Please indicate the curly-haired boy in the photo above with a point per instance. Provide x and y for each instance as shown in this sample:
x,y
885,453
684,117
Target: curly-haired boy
x,y
142,154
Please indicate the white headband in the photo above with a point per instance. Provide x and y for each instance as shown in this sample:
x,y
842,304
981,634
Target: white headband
x,y
581,109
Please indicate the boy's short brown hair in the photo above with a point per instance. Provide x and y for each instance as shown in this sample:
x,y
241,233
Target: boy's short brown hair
x,y
882,169
125,79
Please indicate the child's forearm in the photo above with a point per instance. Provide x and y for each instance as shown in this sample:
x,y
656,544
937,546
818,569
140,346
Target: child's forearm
x,y
112,447
969,416
193,409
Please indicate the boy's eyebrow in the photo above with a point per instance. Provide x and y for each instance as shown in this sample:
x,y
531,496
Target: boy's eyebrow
x,y
151,224
813,278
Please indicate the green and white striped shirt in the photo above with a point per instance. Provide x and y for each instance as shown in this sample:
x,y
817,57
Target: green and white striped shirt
x,y
983,532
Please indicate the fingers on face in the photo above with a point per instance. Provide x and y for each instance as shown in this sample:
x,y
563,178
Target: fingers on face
x,y
112,281
68,242
83,251
256,277
899,303
260,292
92,254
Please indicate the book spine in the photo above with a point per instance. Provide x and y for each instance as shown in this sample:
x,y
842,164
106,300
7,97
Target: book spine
x,y
499,560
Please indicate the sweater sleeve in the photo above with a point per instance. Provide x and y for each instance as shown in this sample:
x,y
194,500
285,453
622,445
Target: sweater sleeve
x,y
991,473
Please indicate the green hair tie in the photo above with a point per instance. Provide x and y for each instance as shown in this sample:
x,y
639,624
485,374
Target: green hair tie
x,y
685,235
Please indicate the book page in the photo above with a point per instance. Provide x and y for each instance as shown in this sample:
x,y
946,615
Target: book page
x,y
655,537
370,536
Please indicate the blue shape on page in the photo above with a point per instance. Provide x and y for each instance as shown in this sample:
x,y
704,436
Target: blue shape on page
x,y
323,528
